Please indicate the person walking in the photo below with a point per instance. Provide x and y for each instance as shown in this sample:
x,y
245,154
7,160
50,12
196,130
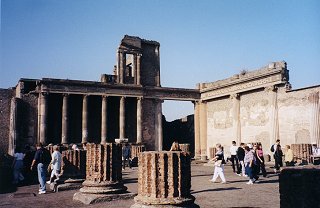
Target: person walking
x,y
234,158
278,158
42,159
18,166
56,159
273,149
218,165
126,156
249,161
260,160
240,155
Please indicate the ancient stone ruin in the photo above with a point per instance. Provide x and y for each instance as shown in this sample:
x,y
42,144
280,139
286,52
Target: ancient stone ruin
x,y
164,180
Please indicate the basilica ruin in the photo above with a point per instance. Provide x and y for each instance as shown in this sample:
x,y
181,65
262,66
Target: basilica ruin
x,y
252,106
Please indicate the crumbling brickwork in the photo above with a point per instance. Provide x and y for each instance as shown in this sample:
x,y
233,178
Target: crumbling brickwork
x,y
74,163
164,179
302,152
5,99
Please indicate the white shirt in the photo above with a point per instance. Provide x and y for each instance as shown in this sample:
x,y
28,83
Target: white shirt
x,y
233,150
19,156
56,160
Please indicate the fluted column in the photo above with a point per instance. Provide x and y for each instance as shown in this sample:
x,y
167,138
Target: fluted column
x,y
85,119
43,118
139,120
203,130
197,146
274,125
104,111
139,69
122,118
236,117
315,118
164,180
64,122
158,125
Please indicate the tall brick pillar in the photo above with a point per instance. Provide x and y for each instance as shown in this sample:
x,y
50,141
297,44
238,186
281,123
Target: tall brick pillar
x,y
103,174
164,180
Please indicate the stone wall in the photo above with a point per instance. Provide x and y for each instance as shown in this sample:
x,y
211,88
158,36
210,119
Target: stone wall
x,y
5,99
148,123
29,119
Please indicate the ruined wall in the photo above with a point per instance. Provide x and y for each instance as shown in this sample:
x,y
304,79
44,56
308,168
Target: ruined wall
x,y
150,65
295,112
5,99
29,119
148,123
219,122
255,117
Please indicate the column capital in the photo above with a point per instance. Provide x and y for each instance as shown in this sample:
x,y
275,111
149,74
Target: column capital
x,y
44,93
271,88
65,94
104,96
235,96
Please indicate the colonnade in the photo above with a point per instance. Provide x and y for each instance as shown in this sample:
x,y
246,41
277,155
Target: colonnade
x,y
121,66
43,119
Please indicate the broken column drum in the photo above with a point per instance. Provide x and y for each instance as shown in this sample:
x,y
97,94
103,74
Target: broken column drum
x,y
164,180
103,169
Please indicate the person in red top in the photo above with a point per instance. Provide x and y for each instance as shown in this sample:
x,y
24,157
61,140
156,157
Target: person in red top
x,y
260,160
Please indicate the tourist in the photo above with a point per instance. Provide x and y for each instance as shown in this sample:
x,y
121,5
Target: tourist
x,y
17,166
240,156
42,158
288,156
218,165
273,149
260,160
175,146
126,156
278,158
249,161
27,161
56,158
234,159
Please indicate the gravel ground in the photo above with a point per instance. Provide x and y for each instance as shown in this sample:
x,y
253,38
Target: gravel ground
x,y
235,193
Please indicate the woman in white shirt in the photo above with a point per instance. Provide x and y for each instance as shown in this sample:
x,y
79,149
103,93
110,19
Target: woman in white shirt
x,y
17,166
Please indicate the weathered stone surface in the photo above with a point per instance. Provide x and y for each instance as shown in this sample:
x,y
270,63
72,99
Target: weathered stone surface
x,y
164,179
299,187
302,152
73,164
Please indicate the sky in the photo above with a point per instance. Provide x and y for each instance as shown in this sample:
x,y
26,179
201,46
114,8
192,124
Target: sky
x,y
200,41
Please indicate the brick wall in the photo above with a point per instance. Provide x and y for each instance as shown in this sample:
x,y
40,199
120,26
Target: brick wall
x,y
5,99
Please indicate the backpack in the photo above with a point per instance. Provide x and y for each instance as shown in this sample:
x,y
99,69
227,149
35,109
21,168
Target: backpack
x,y
272,148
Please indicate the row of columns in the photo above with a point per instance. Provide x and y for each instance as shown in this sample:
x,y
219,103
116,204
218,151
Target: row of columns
x,y
121,66
42,119
315,118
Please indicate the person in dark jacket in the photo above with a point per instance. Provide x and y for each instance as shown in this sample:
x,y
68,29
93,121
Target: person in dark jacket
x,y
240,155
278,158
126,156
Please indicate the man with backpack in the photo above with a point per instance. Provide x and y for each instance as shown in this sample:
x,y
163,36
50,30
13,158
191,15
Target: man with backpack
x,y
42,159
273,149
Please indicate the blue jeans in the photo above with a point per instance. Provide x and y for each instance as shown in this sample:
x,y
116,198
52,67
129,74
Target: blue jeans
x,y
42,176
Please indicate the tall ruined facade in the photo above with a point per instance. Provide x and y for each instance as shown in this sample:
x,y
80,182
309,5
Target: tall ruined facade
x,y
256,106
126,104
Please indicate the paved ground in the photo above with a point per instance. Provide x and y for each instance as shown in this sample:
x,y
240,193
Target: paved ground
x,y
236,193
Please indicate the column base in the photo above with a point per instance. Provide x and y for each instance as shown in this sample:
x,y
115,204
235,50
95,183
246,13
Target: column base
x,y
97,198
90,187
203,157
149,202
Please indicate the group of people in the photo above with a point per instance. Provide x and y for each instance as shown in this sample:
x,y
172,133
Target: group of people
x,y
248,160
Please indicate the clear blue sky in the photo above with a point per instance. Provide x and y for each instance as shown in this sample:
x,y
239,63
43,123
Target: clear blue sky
x,y
201,41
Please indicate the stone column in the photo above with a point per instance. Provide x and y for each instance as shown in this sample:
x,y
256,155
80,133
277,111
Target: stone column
x,y
139,120
85,119
138,69
157,52
164,180
197,147
104,111
122,118
122,67
64,129
158,125
274,125
13,128
119,58
236,118
103,174
43,118
315,118
203,130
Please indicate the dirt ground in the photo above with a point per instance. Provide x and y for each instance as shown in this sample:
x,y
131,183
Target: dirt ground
x,y
235,193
